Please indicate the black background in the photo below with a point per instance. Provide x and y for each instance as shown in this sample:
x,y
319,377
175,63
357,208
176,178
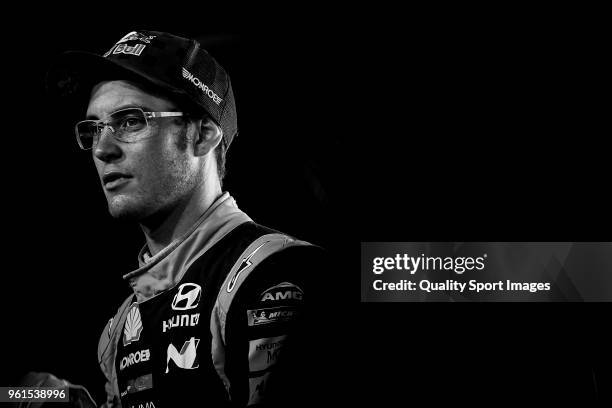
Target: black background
x,y
376,126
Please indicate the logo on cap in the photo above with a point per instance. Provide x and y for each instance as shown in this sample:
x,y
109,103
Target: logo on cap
x,y
121,48
199,84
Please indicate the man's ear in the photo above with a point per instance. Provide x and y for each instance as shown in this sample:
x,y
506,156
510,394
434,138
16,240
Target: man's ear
x,y
208,138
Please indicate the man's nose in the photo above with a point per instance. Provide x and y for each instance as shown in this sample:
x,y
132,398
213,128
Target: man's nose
x,y
107,148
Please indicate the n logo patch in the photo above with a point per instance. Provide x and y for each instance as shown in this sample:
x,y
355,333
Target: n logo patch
x,y
186,358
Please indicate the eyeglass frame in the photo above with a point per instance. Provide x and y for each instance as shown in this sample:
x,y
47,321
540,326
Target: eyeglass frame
x,y
146,114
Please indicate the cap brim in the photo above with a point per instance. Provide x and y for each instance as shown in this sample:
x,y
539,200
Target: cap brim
x,y
74,73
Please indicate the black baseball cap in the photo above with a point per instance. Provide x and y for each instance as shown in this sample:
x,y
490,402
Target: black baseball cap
x,y
176,65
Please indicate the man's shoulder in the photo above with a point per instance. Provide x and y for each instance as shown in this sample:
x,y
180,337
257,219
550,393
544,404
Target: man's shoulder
x,y
260,244
266,258
278,263
271,249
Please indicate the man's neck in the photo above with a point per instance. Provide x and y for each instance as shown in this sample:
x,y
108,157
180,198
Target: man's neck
x,y
161,230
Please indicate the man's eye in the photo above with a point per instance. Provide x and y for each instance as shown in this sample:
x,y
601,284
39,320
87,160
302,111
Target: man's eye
x,y
132,123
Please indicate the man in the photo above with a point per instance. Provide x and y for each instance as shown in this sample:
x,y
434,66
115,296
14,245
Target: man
x,y
217,311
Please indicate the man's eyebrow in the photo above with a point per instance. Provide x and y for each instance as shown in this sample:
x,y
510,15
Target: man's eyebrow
x,y
121,107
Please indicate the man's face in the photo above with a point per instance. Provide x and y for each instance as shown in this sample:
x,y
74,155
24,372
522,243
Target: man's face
x,y
152,175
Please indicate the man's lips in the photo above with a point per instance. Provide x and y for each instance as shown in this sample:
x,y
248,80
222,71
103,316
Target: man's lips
x,y
114,179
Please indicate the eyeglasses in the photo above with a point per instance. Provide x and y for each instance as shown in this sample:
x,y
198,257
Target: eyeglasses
x,y
127,125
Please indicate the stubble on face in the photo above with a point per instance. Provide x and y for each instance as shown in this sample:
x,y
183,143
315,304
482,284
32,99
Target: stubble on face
x,y
163,172
165,179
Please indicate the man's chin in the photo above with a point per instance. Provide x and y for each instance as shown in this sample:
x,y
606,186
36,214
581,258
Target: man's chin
x,y
123,209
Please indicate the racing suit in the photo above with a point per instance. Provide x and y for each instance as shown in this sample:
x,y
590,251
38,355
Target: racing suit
x,y
212,318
